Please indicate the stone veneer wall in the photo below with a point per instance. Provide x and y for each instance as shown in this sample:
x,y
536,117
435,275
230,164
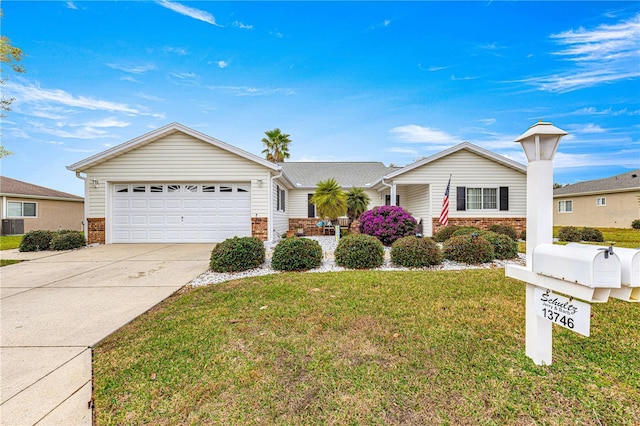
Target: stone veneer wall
x,y
96,230
519,223
260,228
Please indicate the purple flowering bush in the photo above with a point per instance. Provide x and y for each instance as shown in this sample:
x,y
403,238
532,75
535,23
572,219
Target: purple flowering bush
x,y
387,223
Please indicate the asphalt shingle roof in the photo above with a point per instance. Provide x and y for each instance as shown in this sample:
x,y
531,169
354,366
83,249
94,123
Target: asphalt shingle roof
x,y
629,180
348,174
10,186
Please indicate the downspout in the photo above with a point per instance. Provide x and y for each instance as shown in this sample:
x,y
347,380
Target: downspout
x,y
270,220
85,224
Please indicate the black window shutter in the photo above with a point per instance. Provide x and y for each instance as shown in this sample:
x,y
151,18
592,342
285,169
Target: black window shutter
x,y
504,198
397,200
387,200
311,208
461,198
277,197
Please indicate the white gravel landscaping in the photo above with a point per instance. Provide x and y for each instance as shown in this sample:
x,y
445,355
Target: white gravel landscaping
x,y
328,245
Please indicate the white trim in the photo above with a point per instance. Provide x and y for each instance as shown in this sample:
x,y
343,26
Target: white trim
x,y
160,133
565,206
22,210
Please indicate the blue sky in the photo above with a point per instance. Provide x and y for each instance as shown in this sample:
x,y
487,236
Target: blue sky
x,y
356,81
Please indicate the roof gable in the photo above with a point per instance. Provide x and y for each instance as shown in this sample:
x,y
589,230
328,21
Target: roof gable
x,y
159,134
622,182
18,188
463,146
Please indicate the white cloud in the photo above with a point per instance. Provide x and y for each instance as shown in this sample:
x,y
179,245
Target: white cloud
x,y
605,54
181,51
34,93
254,91
624,158
589,128
191,12
435,68
222,64
132,69
413,133
408,151
488,121
71,5
105,122
242,26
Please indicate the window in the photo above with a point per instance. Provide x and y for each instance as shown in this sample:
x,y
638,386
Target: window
x,y
21,209
225,188
173,188
311,208
243,188
155,188
601,201
208,188
387,200
139,188
191,188
122,188
482,198
280,198
565,206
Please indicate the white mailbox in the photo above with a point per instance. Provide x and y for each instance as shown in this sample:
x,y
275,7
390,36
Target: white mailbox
x,y
629,264
584,264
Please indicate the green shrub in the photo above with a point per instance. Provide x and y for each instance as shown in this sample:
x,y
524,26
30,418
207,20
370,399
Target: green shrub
x,y
592,234
237,254
414,252
635,224
467,230
468,249
523,235
36,240
569,233
445,233
67,240
503,246
507,230
359,251
296,254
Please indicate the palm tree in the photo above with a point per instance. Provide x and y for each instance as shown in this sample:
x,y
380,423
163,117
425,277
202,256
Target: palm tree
x,y
330,199
276,145
357,203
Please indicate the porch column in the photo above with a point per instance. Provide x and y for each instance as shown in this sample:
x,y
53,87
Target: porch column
x,y
392,201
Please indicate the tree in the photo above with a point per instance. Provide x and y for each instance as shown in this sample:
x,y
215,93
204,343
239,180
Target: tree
x,y
330,199
11,56
357,203
276,145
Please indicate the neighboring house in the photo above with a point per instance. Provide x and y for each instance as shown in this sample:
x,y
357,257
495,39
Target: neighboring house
x,y
27,207
612,202
175,184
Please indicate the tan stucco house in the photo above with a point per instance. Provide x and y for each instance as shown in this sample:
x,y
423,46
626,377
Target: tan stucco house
x,y
27,207
176,184
603,203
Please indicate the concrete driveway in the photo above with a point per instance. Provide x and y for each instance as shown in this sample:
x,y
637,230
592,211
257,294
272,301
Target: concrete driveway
x,y
55,308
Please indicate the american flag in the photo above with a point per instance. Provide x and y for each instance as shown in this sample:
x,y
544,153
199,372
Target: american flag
x,y
444,214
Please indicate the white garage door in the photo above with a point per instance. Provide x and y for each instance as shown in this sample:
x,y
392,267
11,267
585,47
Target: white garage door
x,y
180,213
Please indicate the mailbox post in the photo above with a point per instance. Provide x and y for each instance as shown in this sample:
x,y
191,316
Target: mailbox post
x,y
540,143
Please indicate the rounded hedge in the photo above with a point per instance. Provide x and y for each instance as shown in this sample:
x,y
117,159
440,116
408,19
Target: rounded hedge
x,y
359,251
470,249
237,254
507,230
67,240
296,254
387,223
635,224
569,233
592,234
503,246
414,252
36,240
445,233
466,230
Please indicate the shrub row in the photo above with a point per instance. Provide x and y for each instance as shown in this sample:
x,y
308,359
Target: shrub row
x,y
573,234
40,240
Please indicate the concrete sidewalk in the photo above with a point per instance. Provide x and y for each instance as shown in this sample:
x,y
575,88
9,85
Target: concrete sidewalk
x,y
55,308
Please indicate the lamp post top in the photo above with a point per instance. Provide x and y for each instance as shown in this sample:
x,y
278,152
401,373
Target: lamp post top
x,y
541,128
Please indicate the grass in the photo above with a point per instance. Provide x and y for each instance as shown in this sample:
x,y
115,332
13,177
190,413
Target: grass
x,y
364,347
629,238
5,262
8,242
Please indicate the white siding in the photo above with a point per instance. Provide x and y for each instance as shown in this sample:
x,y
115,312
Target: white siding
x,y
416,202
177,158
469,170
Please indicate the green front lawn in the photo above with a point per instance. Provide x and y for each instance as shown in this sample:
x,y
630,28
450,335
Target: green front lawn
x,y
5,262
365,347
8,242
